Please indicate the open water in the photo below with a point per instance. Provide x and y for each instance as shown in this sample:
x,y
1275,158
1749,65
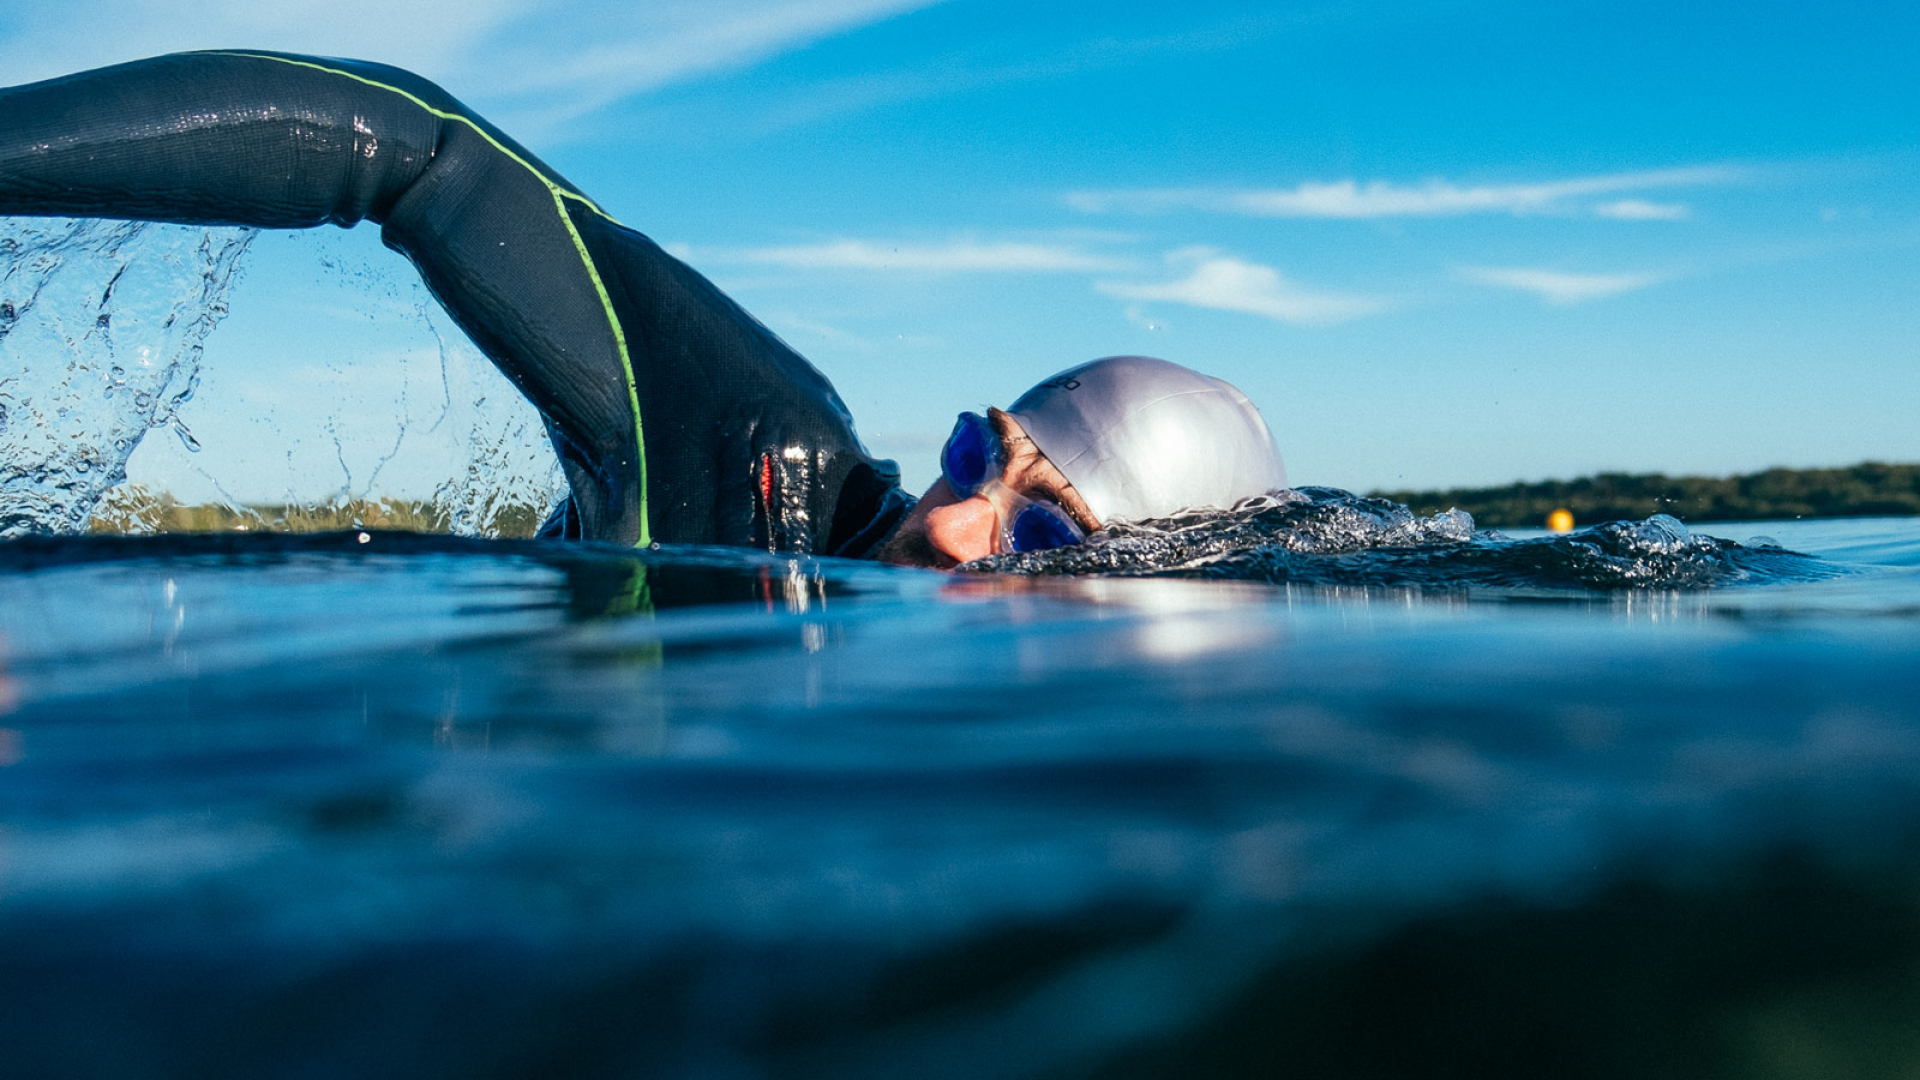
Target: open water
x,y
1329,791
1314,787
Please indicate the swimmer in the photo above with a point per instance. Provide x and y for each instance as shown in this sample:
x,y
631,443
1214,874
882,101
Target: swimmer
x,y
676,416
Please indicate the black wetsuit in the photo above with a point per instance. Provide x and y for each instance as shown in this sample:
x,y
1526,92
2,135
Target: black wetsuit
x,y
677,417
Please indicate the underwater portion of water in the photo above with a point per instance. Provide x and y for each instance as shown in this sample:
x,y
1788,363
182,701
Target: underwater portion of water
x,y
1630,802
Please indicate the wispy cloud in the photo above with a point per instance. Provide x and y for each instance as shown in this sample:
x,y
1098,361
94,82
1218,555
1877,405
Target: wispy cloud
x,y
1558,286
659,43
1642,210
44,40
1350,199
1224,283
549,59
797,327
956,256
973,66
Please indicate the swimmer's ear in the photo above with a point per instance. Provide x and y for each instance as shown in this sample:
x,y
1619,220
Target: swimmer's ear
x,y
1019,442
1007,427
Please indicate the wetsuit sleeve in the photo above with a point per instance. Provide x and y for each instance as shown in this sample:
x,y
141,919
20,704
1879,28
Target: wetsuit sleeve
x,y
288,141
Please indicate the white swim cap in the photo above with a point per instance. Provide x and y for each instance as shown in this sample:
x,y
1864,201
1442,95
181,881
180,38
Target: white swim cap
x,y
1144,438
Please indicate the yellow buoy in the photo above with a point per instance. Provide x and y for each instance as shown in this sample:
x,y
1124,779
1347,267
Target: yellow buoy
x,y
1560,520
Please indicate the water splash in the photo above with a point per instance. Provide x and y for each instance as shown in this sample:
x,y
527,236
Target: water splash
x,y
1325,536
509,464
101,333
476,431
102,326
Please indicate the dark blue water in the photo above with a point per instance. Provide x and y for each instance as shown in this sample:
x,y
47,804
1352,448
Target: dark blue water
x,y
1349,795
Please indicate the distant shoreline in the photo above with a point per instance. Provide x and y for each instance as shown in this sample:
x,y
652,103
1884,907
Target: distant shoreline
x,y
1870,489
133,509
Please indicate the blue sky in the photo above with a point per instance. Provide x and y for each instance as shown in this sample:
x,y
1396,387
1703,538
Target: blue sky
x,y
1439,243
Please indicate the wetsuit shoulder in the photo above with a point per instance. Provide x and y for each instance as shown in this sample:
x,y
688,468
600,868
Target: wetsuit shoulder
x,y
751,443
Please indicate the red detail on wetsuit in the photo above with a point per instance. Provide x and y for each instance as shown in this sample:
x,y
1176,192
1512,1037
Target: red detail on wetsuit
x,y
766,501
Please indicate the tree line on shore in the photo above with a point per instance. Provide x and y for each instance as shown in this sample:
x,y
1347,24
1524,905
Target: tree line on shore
x,y
132,508
1869,489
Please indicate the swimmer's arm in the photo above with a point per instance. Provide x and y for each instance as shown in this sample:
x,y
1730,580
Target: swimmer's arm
x,y
288,142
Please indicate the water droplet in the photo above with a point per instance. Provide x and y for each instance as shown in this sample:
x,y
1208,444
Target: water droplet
x,y
142,400
82,466
186,437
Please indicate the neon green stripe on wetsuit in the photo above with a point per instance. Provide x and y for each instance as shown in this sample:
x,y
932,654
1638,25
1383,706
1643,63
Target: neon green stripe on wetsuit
x,y
744,442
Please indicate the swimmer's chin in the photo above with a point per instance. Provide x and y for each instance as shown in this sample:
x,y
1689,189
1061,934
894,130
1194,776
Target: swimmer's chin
x,y
911,547
928,560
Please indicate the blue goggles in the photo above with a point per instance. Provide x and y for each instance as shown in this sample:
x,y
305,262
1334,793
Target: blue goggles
x,y
973,461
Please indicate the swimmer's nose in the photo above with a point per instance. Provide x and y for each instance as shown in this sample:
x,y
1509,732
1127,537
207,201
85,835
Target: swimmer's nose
x,y
964,531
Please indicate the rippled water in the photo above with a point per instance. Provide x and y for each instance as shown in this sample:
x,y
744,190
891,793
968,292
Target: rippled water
x,y
1325,536
1374,798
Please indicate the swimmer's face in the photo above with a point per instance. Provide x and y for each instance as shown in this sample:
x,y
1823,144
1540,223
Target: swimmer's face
x,y
945,530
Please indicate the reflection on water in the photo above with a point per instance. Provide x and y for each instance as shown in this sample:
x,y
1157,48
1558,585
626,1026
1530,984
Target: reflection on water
x,y
425,806
9,693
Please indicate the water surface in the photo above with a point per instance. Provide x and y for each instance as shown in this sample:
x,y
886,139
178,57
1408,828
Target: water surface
x,y
1639,802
